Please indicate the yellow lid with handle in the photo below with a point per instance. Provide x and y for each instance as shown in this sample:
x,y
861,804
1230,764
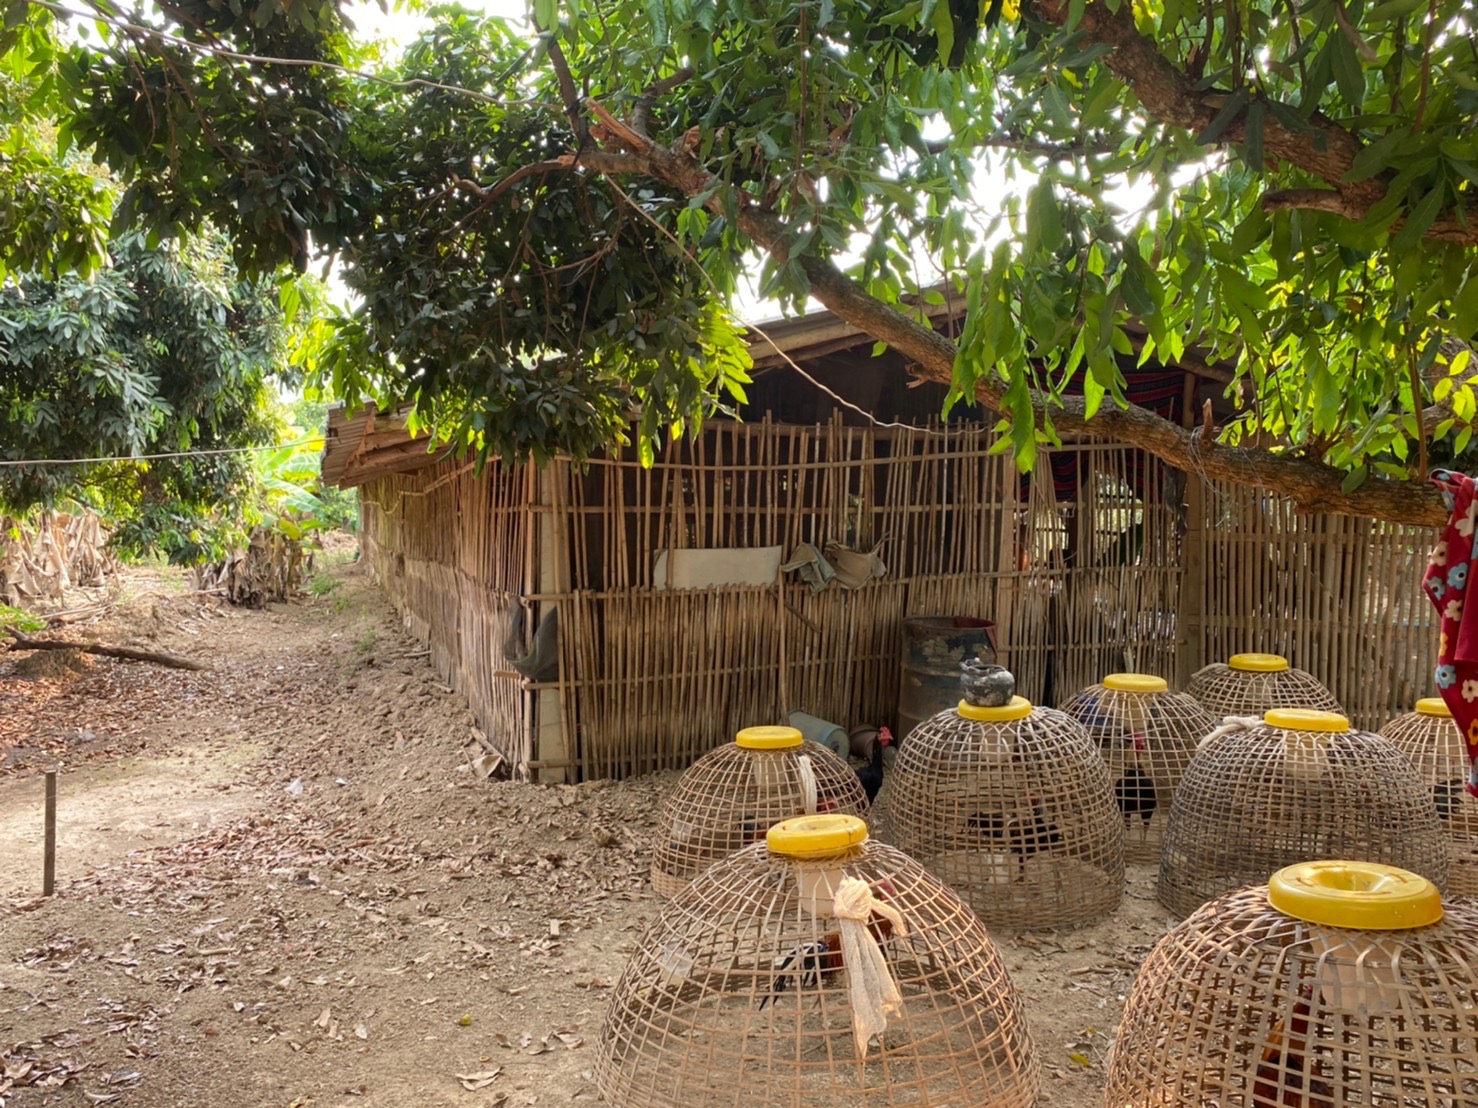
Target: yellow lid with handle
x,y
768,738
1258,663
819,836
1305,719
1433,706
1360,895
1136,683
1018,708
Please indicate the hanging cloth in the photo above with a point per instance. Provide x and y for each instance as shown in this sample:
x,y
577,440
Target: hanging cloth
x,y
1446,584
870,985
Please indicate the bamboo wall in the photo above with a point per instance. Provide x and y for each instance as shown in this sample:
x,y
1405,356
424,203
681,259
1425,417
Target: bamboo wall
x,y
1104,570
1339,596
453,553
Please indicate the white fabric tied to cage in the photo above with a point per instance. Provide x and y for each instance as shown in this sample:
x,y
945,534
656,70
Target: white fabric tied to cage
x,y
1230,725
871,989
808,782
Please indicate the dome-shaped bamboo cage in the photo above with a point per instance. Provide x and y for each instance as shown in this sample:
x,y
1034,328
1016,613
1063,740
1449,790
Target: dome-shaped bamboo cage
x,y
731,796
1251,684
1300,785
1012,807
817,968
1434,744
1146,735
1340,984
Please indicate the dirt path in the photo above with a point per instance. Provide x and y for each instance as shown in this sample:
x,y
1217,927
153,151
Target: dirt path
x,y
107,812
283,886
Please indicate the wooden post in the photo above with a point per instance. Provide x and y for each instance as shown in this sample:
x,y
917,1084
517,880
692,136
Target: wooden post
x,y
553,746
1190,620
48,863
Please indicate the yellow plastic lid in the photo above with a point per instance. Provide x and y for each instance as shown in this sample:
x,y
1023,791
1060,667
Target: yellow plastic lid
x,y
1305,719
1019,708
1433,706
1135,682
1361,895
1258,663
768,738
821,836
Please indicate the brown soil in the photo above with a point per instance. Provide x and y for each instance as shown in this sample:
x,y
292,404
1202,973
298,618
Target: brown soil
x,y
281,884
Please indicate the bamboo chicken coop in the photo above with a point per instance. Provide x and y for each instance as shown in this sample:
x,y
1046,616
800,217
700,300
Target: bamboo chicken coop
x,y
1432,741
1338,984
816,968
1302,784
1012,806
731,796
1250,684
627,614
1147,735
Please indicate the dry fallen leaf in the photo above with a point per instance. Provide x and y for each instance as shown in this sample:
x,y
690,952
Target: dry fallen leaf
x,y
479,1080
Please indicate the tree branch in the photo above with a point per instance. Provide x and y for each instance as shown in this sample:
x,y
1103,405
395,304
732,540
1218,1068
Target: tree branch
x,y
159,658
641,115
1321,148
487,196
567,90
1448,228
1313,486
1322,200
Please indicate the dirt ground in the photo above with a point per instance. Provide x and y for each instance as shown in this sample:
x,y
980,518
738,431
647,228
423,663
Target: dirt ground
x,y
280,884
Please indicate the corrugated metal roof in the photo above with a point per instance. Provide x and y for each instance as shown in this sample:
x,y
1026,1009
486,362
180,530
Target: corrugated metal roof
x,y
366,444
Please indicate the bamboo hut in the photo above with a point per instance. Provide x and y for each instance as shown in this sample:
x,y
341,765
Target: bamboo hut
x,y
615,619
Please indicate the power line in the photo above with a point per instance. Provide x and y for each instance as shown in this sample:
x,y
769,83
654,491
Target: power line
x,y
315,440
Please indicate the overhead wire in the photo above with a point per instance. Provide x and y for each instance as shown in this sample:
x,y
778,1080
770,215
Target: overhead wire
x,y
314,439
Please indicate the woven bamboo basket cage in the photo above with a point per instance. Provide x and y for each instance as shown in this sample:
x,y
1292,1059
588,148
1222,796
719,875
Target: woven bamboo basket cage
x,y
1337,984
1146,735
1300,785
1432,741
731,796
744,991
1250,684
1013,808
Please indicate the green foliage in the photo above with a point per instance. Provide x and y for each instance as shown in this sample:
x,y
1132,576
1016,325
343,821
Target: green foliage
x,y
1133,181
54,206
1327,320
530,323
162,350
322,584
20,619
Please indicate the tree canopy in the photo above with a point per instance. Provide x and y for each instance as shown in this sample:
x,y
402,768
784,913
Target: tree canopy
x,y
545,229
160,350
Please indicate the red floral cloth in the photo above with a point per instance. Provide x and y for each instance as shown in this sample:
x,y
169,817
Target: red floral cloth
x,y
1446,585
